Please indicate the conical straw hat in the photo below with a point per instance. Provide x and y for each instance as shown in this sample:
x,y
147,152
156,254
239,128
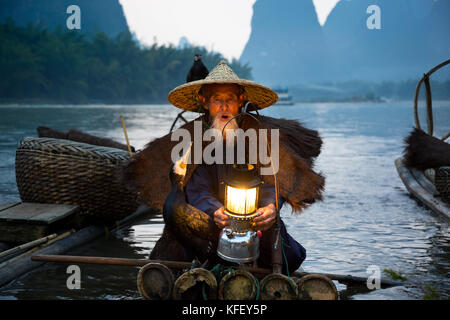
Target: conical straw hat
x,y
186,96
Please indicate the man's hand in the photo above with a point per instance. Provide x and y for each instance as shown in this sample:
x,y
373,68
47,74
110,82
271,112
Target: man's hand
x,y
221,219
266,218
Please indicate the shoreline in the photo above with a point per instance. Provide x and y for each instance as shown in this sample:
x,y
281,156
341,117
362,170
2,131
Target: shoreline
x,y
52,103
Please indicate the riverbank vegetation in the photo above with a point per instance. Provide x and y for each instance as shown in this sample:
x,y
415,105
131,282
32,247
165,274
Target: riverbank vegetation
x,y
45,66
38,65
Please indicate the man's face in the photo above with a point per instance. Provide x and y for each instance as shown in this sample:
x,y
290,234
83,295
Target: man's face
x,y
222,101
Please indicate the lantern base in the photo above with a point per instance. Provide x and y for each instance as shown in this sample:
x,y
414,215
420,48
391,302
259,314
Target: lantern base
x,y
238,247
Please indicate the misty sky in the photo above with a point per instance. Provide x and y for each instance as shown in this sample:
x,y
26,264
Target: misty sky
x,y
218,25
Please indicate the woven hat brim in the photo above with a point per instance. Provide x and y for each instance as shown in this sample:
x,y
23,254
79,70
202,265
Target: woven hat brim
x,y
186,96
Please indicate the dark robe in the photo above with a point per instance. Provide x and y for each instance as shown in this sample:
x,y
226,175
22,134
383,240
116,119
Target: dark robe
x,y
206,192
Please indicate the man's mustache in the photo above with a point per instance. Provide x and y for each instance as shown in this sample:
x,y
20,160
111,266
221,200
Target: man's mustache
x,y
224,113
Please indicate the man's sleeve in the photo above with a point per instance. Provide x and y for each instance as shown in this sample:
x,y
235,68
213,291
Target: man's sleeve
x,y
200,191
267,195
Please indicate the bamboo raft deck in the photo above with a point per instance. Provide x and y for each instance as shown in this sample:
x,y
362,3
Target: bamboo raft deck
x,y
29,229
422,189
24,222
156,280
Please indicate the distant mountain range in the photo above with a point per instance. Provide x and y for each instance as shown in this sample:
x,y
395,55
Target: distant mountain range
x,y
288,46
96,16
286,42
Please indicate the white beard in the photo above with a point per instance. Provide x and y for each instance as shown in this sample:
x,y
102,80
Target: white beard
x,y
230,128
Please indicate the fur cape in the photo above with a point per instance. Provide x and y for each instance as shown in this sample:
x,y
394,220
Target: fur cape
x,y
147,173
423,151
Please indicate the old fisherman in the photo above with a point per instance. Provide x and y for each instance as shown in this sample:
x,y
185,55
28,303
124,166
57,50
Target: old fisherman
x,y
223,99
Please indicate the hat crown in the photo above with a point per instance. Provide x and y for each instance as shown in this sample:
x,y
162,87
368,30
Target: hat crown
x,y
222,72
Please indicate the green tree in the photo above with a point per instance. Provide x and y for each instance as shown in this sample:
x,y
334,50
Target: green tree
x,y
62,66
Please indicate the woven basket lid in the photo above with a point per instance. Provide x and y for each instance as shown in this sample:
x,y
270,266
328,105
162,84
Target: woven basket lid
x,y
186,96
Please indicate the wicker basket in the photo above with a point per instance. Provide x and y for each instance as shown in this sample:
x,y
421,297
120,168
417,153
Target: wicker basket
x,y
66,172
442,183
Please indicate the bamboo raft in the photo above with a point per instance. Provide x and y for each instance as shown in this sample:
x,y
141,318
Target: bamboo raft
x,y
164,280
16,261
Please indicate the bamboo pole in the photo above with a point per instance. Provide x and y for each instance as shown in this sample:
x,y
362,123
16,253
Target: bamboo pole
x,y
20,265
46,244
126,135
27,245
109,261
346,279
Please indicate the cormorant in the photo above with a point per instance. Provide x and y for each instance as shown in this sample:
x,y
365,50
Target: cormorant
x,y
193,228
198,70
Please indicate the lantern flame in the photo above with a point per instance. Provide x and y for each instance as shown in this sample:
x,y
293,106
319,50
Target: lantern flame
x,y
241,201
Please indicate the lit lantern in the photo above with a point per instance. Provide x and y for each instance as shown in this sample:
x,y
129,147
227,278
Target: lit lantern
x,y
238,242
241,191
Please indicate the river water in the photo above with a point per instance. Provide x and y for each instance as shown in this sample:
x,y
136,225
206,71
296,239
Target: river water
x,y
366,218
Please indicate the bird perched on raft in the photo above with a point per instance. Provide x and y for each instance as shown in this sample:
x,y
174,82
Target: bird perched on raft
x,y
198,70
192,227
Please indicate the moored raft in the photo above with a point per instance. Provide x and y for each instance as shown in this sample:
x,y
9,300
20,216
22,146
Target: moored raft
x,y
16,261
419,184
425,166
